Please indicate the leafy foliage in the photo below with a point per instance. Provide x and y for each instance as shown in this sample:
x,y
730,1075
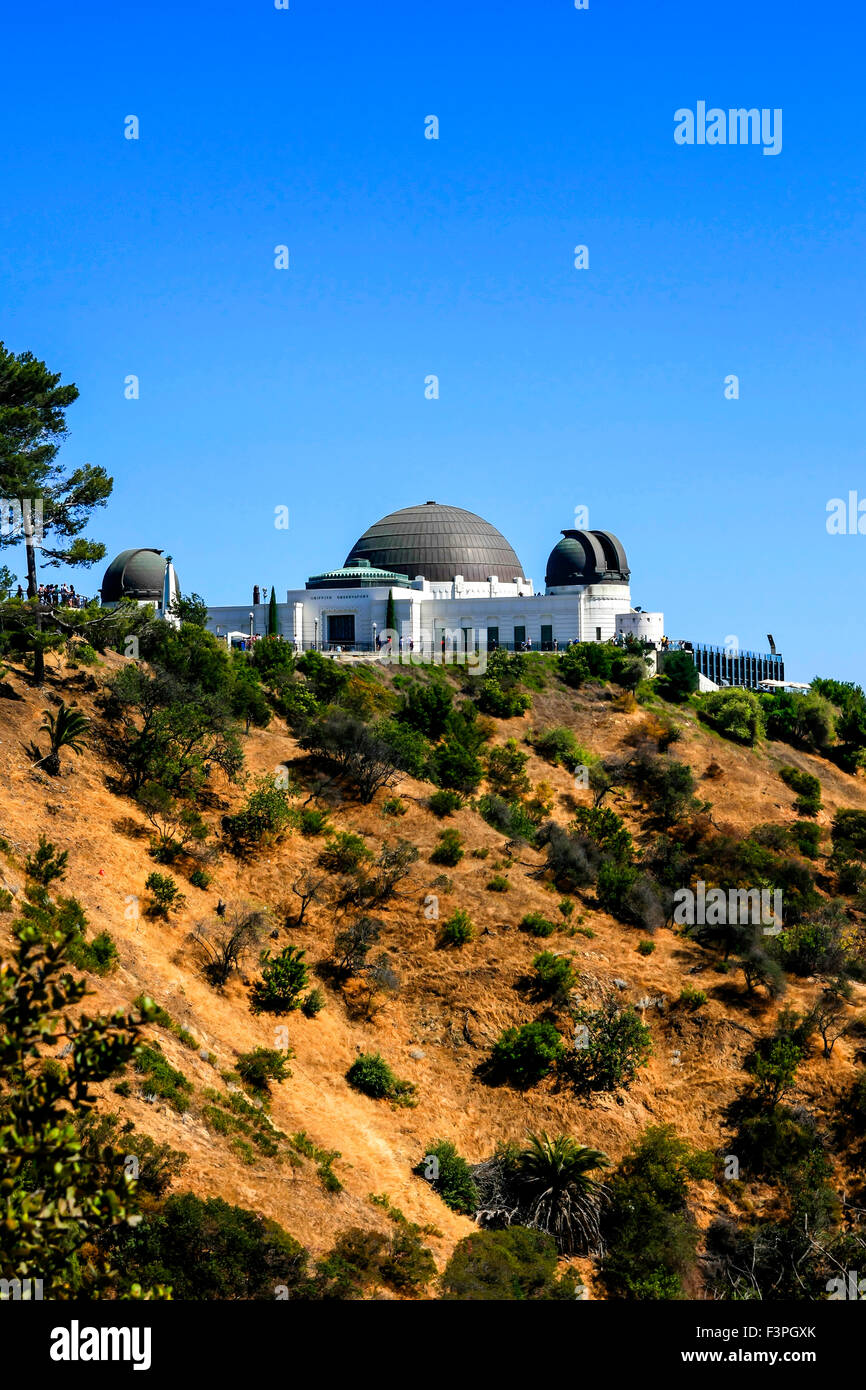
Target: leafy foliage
x,y
611,1045
524,1055
453,1177
371,1074
58,1202
282,980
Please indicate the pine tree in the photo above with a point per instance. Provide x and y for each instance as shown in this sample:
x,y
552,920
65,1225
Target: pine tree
x,y
273,618
391,613
32,429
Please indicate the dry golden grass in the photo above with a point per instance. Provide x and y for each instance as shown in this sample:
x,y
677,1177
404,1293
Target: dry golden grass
x,y
452,1003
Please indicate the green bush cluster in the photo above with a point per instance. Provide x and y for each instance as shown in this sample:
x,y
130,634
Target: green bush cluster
x,y
370,1074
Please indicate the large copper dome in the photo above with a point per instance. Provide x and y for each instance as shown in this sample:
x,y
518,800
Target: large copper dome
x,y
437,542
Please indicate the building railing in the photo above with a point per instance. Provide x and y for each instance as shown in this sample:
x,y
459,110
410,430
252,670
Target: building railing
x,y
727,667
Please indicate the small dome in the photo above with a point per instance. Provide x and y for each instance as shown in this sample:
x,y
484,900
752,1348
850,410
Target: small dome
x,y
359,575
586,557
138,574
438,542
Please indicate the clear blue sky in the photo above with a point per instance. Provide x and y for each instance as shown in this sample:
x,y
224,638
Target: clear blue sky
x,y
409,256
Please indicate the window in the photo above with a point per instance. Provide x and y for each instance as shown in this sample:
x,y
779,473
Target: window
x,y
492,638
519,637
546,636
598,634
341,628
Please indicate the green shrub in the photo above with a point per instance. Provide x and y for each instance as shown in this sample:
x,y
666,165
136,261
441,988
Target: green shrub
x,y
615,882
506,771
807,838
502,703
850,876
605,828
449,849
848,833
566,907
456,765
200,878
166,895
98,956
554,976
646,948
807,787
523,1056
458,929
498,884
427,708
313,1003
508,817
161,1079
444,802
560,747
283,978
210,1251
773,1142
611,1043
537,924
408,1265
47,863
666,787
6,900
650,1233
84,655
371,1075
679,678
771,836
361,1260
266,814
344,853
814,945
313,822
806,721
261,1066
394,806
450,1175
514,1264
735,714
692,998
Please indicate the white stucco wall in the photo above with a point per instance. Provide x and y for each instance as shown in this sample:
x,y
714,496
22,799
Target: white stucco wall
x,y
584,615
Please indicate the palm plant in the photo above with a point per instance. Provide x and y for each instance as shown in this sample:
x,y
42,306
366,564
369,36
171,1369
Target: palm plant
x,y
65,729
557,1192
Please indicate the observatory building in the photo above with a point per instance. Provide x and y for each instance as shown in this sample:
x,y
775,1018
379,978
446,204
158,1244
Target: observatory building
x,y
452,579
144,575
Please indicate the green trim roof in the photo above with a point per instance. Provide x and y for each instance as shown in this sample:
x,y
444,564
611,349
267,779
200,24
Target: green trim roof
x,y
360,574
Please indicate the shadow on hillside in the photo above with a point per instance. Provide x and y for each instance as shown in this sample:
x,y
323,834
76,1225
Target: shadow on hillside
x,y
734,996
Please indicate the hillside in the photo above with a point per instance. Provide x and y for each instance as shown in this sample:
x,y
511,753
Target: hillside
x,y
452,1004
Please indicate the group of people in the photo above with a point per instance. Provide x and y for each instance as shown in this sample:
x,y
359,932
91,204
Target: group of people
x,y
56,596
669,644
387,644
